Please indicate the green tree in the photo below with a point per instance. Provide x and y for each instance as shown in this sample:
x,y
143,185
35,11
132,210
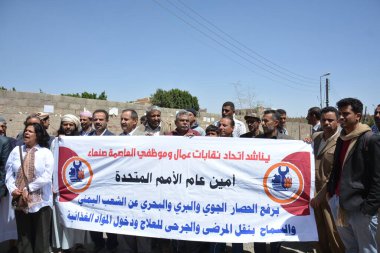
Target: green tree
x,y
88,95
102,96
3,88
174,98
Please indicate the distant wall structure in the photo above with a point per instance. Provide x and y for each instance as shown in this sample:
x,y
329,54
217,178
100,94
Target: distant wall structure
x,y
16,106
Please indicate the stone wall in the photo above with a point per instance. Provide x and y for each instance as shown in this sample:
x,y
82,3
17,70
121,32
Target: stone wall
x,y
16,106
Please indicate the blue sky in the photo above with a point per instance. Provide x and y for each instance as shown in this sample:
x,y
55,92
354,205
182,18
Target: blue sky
x,y
267,52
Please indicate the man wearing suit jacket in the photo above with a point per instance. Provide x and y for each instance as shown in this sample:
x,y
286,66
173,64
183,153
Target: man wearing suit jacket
x,y
128,123
100,120
354,184
7,219
324,144
313,118
5,149
3,132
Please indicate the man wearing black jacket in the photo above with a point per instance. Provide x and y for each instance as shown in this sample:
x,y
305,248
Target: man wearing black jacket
x,y
5,149
354,184
100,121
269,122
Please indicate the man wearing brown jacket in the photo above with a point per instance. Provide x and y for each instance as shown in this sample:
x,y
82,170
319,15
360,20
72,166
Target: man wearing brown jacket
x,y
324,143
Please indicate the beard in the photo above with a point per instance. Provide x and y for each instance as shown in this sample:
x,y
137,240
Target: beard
x,y
269,129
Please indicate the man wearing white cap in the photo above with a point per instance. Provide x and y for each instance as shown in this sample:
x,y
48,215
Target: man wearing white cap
x,y
86,123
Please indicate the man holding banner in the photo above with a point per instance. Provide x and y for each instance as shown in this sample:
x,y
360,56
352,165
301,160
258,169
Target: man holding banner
x,y
100,120
128,124
270,123
226,129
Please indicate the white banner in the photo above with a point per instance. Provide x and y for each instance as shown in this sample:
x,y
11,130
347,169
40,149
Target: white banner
x,y
200,188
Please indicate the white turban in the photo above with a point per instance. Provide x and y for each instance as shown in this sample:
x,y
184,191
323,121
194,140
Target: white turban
x,y
71,118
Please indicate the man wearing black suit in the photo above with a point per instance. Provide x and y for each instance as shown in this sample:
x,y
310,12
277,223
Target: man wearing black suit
x,y
100,120
3,132
5,149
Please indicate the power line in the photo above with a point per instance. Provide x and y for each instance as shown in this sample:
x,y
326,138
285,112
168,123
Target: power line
x,y
233,51
241,47
242,51
244,46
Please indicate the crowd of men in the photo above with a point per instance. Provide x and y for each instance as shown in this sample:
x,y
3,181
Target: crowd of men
x,y
347,177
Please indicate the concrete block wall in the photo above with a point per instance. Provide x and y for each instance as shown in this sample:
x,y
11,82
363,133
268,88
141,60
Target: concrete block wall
x,y
16,106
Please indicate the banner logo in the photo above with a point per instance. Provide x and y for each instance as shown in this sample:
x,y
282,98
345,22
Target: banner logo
x,y
283,183
77,174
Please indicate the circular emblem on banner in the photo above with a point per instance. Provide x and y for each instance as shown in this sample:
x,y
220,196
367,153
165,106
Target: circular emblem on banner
x,y
77,174
283,183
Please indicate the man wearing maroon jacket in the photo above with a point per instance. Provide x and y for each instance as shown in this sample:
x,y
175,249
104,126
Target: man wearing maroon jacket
x,y
182,122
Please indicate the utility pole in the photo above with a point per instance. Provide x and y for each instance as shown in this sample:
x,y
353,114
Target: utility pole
x,y
327,92
320,88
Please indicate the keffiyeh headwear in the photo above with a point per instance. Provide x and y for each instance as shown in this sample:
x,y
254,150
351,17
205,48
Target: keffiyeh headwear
x,y
71,118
